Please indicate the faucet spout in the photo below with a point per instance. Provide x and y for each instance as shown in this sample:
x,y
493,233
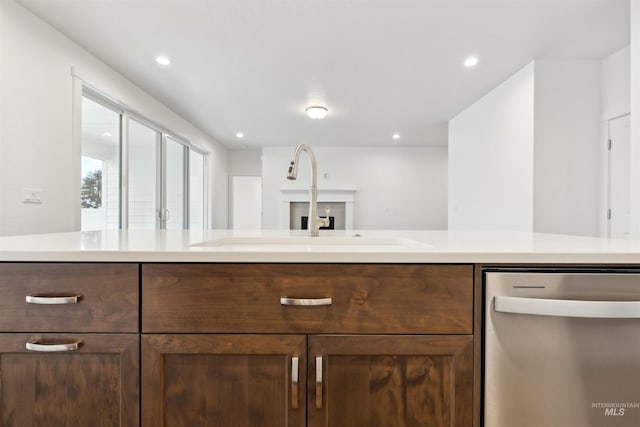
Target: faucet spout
x,y
314,222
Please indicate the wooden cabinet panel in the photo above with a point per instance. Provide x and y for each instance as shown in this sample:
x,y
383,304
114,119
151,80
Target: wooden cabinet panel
x,y
222,380
366,299
108,297
96,385
400,381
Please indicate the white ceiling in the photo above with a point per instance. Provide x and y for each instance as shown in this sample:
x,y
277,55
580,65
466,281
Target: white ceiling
x,y
380,66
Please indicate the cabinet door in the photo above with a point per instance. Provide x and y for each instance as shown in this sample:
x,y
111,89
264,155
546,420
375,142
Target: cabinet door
x,y
223,380
400,381
96,384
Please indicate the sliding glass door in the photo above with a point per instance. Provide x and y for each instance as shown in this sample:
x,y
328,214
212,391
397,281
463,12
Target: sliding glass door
x,y
157,188
175,166
144,176
135,175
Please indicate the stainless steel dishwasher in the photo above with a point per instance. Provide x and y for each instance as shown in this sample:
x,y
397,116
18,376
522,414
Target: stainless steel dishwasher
x,y
562,349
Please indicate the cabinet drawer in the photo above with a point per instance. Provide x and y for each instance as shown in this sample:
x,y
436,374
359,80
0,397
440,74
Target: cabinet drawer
x,y
69,297
371,298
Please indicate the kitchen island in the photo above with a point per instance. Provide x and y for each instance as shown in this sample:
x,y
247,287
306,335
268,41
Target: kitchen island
x,y
260,328
396,246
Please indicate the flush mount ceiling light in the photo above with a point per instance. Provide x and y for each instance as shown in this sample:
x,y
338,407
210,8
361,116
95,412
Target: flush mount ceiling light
x,y
396,136
163,60
316,112
239,135
471,61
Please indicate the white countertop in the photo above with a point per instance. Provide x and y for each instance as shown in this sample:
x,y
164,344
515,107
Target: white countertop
x,y
335,246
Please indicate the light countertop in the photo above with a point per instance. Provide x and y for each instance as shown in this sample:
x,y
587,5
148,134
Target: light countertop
x,y
371,246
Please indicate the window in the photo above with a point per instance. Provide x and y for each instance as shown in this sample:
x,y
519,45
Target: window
x,y
161,186
100,166
144,176
176,182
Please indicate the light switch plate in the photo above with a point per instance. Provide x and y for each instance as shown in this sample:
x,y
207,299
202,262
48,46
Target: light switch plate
x,y
32,195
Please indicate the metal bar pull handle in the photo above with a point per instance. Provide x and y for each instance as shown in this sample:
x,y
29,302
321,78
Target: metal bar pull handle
x,y
568,308
164,214
294,381
306,301
52,299
319,382
36,345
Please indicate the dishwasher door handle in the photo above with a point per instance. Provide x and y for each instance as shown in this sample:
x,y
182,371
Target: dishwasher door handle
x,y
567,308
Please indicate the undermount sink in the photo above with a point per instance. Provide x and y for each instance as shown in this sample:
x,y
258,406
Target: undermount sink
x,y
308,243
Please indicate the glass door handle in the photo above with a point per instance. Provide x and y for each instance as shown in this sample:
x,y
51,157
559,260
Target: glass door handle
x,y
164,214
567,308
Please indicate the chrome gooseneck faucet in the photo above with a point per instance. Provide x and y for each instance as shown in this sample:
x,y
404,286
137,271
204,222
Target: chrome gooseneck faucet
x,y
314,223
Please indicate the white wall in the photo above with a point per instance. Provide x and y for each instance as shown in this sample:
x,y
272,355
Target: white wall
x,y
566,164
616,77
491,159
396,188
526,156
36,133
635,117
245,162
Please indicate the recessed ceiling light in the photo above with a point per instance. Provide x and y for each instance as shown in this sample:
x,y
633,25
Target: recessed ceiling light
x,y
106,134
163,60
396,136
471,61
316,112
240,135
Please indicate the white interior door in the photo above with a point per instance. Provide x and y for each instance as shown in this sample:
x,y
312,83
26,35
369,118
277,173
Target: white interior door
x,y
619,199
246,202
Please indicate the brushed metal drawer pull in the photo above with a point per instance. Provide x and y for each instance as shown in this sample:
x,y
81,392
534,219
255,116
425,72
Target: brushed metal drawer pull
x,y
34,345
306,301
52,299
319,382
294,381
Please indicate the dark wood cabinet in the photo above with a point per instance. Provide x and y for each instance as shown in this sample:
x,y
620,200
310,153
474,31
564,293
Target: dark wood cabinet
x,y
400,381
393,347
93,385
223,380
102,297
69,345
365,298
250,380
282,345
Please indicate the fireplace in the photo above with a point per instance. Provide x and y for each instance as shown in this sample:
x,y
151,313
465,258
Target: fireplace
x,y
337,204
304,221
299,215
